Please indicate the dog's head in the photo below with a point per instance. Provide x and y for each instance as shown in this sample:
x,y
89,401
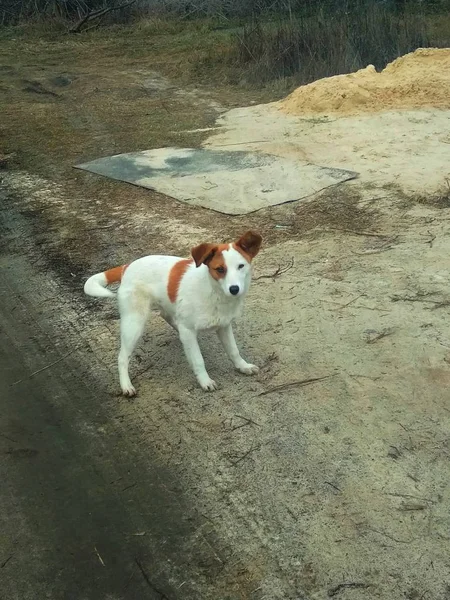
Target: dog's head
x,y
229,264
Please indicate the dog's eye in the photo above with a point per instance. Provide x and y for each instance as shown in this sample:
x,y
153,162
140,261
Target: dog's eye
x,y
220,270
241,266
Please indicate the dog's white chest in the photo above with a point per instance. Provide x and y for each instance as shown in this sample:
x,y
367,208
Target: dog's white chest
x,y
208,312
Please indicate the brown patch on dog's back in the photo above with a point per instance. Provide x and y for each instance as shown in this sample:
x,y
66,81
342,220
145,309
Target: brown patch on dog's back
x,y
175,277
115,275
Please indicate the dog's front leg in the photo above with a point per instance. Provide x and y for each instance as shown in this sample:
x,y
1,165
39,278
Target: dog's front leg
x,y
193,354
226,336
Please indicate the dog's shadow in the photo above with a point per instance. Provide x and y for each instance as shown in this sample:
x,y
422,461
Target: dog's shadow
x,y
160,358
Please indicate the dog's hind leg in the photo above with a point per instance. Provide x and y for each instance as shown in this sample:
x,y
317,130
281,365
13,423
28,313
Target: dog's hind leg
x,y
134,310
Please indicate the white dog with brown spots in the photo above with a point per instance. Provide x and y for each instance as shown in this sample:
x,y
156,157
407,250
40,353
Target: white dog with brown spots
x,y
206,291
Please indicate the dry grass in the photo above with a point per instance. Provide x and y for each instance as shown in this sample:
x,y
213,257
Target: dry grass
x,y
59,106
66,99
441,199
328,43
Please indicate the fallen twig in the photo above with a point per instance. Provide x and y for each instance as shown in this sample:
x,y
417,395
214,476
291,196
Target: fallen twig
x,y
391,537
407,506
421,297
431,240
362,233
270,359
371,339
128,487
398,495
332,485
5,562
110,226
44,368
148,582
99,557
8,438
348,303
418,297
377,251
292,513
442,304
333,591
241,143
279,271
292,384
247,422
97,14
241,458
357,375
394,452
376,308
386,245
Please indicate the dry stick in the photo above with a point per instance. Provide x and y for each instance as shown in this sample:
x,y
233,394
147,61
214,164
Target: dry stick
x,y
440,305
378,251
97,14
80,23
44,368
363,233
419,297
8,438
333,591
332,485
5,562
242,143
110,226
432,238
148,582
391,537
241,458
285,386
380,336
99,557
246,422
279,271
409,506
348,303
398,495
132,485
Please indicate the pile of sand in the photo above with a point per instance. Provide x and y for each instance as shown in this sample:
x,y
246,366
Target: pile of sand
x,y
417,80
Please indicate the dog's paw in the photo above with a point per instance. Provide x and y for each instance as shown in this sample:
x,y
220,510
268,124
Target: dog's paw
x,y
129,391
209,385
248,369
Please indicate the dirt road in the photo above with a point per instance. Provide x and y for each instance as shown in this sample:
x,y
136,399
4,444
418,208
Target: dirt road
x,y
83,513
325,476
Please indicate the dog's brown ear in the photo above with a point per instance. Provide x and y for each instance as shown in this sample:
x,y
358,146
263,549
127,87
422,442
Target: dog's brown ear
x,y
249,243
203,253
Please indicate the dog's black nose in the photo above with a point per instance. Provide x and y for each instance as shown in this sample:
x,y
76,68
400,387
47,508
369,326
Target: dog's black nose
x,y
234,289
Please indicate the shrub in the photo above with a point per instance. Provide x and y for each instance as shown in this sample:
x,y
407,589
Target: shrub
x,y
328,42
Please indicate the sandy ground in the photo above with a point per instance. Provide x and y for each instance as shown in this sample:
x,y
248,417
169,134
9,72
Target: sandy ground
x,y
324,476
407,149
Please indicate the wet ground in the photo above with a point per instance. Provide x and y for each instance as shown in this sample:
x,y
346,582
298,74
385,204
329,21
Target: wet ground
x,y
84,513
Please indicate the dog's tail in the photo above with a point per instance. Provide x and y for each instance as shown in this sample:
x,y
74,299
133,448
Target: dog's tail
x,y
96,284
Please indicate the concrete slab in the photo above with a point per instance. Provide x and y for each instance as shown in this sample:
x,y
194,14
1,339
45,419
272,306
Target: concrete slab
x,y
234,183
